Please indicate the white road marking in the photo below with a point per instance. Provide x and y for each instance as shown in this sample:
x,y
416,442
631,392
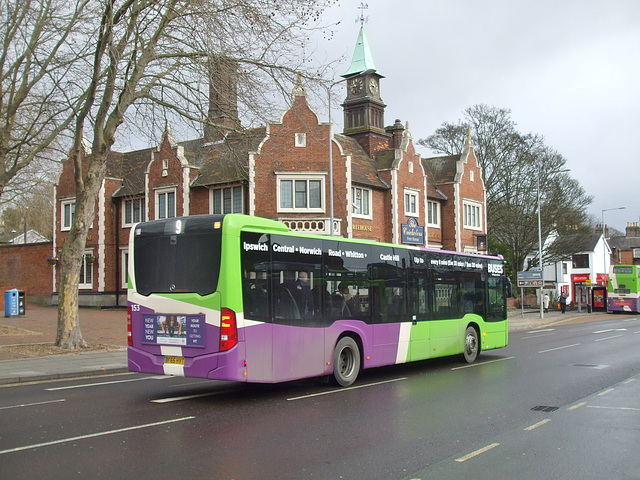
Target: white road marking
x,y
607,338
92,435
340,390
559,348
32,404
479,364
633,409
86,385
537,336
184,397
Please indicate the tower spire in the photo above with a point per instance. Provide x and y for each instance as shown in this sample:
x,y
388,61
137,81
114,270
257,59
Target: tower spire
x,y
362,59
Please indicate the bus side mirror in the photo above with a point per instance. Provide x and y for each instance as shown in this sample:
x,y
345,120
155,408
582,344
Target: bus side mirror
x,y
508,287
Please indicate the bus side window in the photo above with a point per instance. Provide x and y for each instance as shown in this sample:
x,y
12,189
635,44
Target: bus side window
x,y
284,304
446,298
417,295
255,289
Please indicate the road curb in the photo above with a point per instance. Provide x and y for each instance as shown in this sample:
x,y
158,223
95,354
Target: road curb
x,y
13,380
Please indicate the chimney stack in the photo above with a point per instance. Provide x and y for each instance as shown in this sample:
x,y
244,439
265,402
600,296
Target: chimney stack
x,y
633,229
223,98
396,131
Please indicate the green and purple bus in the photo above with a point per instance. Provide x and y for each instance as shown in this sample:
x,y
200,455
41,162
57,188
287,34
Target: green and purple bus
x,y
242,298
624,289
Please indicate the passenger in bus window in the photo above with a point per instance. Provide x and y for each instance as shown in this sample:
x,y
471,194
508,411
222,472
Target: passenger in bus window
x,y
256,295
302,293
342,302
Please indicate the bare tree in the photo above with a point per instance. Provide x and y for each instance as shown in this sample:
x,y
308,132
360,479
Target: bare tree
x,y
152,55
39,96
33,211
517,168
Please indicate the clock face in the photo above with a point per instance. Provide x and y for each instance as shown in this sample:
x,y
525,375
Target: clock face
x,y
373,86
356,86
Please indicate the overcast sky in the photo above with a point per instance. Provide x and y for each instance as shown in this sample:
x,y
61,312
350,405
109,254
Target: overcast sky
x,y
567,69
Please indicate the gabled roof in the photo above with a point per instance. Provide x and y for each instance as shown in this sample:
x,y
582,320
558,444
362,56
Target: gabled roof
x,y
32,237
129,167
442,169
624,243
363,168
567,245
225,161
433,191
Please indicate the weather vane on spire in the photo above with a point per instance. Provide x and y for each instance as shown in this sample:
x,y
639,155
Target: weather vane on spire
x,y
362,19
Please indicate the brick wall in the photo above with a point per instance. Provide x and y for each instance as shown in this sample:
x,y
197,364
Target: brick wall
x,y
410,176
199,201
471,188
25,267
279,154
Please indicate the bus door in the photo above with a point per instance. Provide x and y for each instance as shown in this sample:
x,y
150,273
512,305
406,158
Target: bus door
x,y
256,298
447,306
394,323
418,293
298,336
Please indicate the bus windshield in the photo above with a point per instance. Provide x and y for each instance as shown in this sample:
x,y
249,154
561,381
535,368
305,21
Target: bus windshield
x,y
182,255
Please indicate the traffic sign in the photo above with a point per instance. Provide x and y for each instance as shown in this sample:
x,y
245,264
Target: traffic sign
x,y
530,275
530,283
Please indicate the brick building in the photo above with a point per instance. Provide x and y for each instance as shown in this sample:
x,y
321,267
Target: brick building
x,y
382,189
625,250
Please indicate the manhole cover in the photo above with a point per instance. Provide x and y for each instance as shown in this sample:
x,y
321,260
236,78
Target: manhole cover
x,y
544,408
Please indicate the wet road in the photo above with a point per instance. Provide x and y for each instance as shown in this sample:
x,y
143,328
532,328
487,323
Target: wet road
x,y
556,402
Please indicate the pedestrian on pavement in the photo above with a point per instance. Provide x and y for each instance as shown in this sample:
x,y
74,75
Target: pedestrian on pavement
x,y
563,302
546,301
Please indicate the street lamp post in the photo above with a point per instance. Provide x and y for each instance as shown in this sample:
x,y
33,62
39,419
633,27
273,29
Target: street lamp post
x,y
366,72
541,300
604,255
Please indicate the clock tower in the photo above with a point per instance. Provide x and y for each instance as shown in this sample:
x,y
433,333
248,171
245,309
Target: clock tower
x,y
363,107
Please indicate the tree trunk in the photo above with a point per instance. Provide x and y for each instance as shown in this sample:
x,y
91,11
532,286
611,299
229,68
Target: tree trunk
x,y
69,335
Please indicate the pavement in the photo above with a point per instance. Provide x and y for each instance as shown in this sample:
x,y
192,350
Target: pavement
x,y
106,331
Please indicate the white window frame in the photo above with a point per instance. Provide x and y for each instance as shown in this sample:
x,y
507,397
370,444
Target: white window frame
x,y
433,209
165,191
221,191
365,195
85,268
411,203
71,204
300,140
141,208
293,178
124,267
472,215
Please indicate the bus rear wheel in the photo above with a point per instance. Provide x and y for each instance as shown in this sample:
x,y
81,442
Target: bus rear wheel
x,y
346,361
471,345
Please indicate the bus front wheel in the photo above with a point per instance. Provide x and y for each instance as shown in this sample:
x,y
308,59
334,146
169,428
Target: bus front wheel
x,y
471,345
346,361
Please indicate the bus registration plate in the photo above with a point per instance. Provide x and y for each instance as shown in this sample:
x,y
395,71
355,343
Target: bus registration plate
x,y
174,360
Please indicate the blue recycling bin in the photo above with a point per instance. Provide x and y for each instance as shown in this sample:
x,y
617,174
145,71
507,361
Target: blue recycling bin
x,y
14,303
